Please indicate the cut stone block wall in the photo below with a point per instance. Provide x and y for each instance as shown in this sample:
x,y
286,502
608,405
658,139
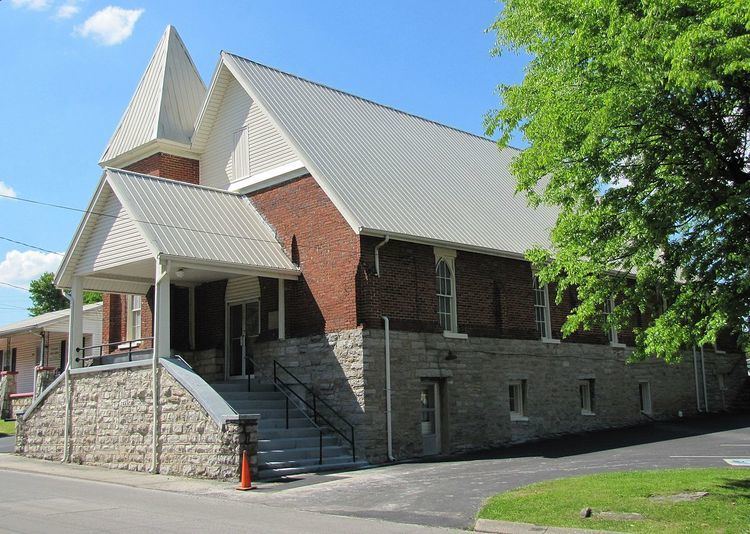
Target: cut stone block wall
x,y
473,377
20,402
112,427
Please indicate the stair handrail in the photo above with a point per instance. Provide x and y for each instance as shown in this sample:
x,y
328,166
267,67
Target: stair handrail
x,y
316,400
289,399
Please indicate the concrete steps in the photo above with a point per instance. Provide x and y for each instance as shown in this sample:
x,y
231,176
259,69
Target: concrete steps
x,y
285,451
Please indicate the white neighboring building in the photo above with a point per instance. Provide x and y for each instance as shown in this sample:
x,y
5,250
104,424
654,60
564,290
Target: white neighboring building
x,y
41,341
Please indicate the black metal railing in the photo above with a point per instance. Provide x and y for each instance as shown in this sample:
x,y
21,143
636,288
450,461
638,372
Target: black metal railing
x,y
131,344
317,402
294,398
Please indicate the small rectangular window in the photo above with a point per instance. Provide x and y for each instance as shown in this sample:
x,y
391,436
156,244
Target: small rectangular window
x,y
541,308
644,389
13,360
586,395
63,353
134,317
517,399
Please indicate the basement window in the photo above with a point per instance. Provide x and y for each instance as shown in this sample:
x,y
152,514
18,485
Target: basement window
x,y
644,391
586,395
517,400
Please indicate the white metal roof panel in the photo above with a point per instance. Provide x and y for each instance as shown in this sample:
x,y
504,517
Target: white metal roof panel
x,y
394,173
199,223
165,103
90,311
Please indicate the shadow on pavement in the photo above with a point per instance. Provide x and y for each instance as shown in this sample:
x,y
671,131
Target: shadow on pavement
x,y
602,440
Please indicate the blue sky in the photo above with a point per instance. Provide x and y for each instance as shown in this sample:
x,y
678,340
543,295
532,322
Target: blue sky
x,y
69,68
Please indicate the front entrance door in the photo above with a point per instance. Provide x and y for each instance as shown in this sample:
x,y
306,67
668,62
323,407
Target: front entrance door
x,y
430,400
243,326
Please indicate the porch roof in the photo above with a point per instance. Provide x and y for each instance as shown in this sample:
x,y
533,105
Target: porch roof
x,y
56,321
135,218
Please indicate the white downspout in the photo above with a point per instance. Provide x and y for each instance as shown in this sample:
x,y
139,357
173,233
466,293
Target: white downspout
x,y
377,256
388,420
705,390
697,389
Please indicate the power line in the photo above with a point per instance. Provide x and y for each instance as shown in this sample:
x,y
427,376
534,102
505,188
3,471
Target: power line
x,y
14,286
152,223
30,246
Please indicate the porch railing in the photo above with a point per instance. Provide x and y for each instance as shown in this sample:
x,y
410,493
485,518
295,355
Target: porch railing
x,y
131,344
295,398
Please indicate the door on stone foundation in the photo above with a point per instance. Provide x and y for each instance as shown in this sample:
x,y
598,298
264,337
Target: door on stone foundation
x,y
430,425
243,326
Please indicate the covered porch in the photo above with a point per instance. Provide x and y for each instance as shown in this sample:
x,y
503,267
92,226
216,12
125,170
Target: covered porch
x,y
186,270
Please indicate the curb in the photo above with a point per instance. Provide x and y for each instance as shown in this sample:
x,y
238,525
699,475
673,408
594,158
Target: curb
x,y
509,527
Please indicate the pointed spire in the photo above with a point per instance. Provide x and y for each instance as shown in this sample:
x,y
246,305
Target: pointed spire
x,y
166,102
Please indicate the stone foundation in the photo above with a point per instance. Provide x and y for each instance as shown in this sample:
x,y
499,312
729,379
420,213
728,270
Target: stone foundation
x,y
7,388
20,403
473,376
111,425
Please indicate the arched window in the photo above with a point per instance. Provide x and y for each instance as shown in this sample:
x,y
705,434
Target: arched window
x,y
541,308
446,293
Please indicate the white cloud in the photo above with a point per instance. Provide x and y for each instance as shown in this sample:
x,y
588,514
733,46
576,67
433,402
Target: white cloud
x,y
67,10
6,190
111,25
34,5
20,268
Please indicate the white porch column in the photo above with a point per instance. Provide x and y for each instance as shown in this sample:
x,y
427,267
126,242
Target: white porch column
x,y
75,328
162,343
282,310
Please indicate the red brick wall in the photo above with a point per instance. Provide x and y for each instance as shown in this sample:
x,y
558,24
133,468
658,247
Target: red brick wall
x,y
493,294
322,243
115,314
168,166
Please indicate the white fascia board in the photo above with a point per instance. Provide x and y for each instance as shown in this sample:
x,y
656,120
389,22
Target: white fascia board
x,y
200,120
271,177
229,268
314,171
61,271
442,244
149,149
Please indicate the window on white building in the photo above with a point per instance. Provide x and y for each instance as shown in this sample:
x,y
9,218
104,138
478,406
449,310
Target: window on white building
x,y
134,317
446,294
517,399
541,308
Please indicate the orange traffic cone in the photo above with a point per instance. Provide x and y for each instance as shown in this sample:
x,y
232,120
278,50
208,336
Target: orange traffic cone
x,y
246,480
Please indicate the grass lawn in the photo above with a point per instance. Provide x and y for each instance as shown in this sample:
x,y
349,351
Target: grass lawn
x,y
7,427
726,508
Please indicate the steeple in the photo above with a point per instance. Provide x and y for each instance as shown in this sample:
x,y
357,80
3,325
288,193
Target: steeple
x,y
164,106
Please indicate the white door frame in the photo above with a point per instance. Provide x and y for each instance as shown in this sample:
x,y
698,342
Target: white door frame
x,y
435,385
227,338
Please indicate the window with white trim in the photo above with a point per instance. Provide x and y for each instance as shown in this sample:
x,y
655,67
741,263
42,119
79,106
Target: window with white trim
x,y
446,294
134,317
612,335
541,308
644,391
517,399
586,395
240,155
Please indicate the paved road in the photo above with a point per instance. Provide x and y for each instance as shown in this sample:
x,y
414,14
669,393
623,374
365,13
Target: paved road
x,y
444,493
38,503
7,443
450,493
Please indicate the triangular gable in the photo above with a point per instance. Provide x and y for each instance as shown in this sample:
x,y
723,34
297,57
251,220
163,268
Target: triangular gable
x,y
230,111
165,103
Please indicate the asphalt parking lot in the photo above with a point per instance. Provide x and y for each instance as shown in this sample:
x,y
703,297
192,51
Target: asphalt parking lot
x,y
449,493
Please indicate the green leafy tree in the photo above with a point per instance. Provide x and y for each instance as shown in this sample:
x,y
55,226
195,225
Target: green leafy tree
x,y
637,115
45,297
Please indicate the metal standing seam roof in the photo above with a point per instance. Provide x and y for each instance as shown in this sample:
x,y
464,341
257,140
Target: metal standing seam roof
x,y
46,319
165,103
394,173
199,223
